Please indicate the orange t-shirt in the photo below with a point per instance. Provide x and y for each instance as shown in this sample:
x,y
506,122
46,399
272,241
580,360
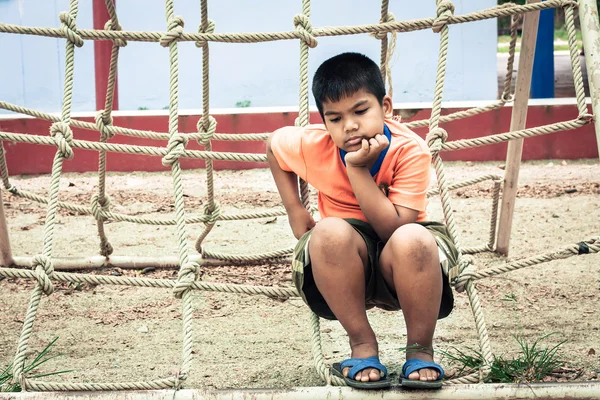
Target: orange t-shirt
x,y
310,153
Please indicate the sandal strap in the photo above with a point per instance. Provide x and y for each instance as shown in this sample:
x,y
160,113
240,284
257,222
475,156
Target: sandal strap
x,y
358,364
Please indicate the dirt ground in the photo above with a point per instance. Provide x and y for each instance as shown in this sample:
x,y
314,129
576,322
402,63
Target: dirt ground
x,y
110,334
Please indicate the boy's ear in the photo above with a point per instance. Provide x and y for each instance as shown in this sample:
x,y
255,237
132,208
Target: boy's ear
x,y
388,107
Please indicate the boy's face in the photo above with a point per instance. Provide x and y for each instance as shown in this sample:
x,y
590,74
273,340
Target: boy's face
x,y
354,118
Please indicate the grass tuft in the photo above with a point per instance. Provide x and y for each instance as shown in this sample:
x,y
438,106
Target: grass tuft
x,y
532,364
7,383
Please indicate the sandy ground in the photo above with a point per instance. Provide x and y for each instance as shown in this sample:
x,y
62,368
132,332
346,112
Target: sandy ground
x,y
111,334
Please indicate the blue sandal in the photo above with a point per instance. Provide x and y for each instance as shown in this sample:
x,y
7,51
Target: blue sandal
x,y
415,364
358,364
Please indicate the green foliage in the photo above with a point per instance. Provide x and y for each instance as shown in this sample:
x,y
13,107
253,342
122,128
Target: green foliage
x,y
6,377
243,103
143,108
532,364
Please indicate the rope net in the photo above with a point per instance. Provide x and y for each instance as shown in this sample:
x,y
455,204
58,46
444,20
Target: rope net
x,y
61,136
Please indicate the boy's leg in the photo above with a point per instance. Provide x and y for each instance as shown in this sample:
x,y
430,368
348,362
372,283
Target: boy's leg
x,y
339,262
411,268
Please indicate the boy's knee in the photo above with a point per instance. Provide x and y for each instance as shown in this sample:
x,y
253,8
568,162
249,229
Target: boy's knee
x,y
414,242
330,232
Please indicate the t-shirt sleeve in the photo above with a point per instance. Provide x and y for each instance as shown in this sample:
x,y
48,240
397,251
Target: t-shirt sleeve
x,y
286,145
411,178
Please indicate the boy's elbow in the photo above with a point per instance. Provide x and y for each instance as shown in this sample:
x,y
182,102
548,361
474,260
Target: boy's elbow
x,y
269,139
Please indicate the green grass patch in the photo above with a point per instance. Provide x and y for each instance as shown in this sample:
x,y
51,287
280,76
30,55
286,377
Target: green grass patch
x,y
531,364
6,378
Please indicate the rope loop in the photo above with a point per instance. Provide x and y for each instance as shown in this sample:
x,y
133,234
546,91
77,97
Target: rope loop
x,y
186,278
212,213
102,122
507,97
445,11
175,30
304,29
99,206
388,18
586,117
569,3
175,149
63,137
44,269
206,133
462,273
117,42
436,139
69,29
210,28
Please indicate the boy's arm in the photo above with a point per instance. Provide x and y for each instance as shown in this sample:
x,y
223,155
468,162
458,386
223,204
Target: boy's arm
x,y
287,185
384,216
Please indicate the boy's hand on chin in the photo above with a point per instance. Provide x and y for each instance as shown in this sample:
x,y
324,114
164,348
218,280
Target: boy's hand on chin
x,y
369,151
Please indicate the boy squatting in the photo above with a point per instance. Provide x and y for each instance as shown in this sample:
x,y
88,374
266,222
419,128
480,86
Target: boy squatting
x,y
373,246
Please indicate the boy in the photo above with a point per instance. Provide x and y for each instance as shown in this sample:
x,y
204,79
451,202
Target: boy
x,y
372,247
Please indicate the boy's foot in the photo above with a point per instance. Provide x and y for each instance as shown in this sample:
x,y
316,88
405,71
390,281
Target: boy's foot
x,y
363,370
367,374
420,371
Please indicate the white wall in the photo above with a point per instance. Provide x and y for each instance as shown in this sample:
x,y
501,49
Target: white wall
x,y
266,74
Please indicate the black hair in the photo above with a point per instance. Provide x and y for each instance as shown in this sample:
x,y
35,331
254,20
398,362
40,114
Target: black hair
x,y
345,74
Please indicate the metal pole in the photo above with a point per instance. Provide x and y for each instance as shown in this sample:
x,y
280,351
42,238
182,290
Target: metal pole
x,y
505,391
6,258
590,31
542,80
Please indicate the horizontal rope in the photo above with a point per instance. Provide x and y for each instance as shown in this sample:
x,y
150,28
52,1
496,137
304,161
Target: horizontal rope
x,y
134,149
113,129
42,386
589,246
193,219
255,257
156,283
255,37
467,182
524,133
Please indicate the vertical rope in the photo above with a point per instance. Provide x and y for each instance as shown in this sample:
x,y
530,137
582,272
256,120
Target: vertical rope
x,y
317,352
100,202
506,93
4,168
187,271
494,218
205,123
62,134
303,112
384,40
575,62
435,138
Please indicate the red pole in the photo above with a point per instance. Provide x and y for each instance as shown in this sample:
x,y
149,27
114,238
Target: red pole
x,y
102,52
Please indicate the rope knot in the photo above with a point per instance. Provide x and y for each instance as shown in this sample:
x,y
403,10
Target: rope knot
x,y
586,117
507,97
44,270
462,273
118,41
175,149
186,278
206,133
102,122
63,137
436,139
388,18
100,205
445,11
304,29
210,28
175,30
212,213
69,29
